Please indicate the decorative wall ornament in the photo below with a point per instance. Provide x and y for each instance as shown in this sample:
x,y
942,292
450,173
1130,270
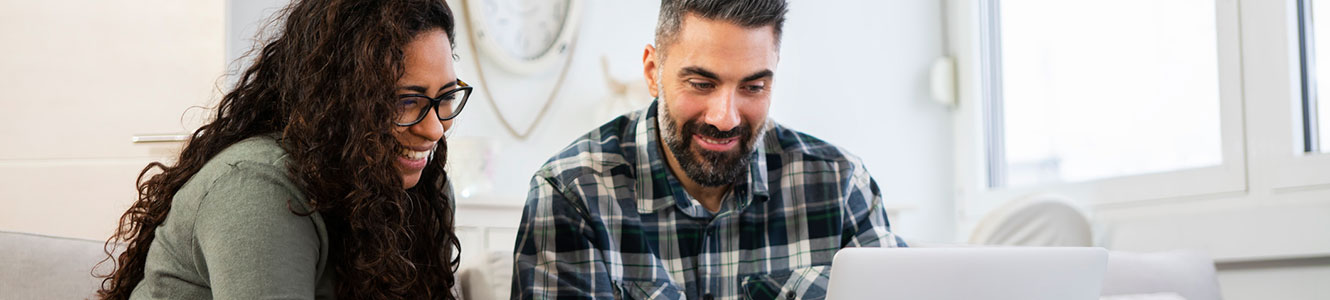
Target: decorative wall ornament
x,y
523,38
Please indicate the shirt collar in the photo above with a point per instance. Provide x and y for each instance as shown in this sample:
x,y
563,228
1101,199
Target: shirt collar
x,y
657,188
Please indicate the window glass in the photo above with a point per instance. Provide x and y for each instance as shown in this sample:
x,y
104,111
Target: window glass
x,y
1099,89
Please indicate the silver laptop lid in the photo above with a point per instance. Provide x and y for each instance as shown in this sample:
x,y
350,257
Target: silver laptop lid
x,y
1024,273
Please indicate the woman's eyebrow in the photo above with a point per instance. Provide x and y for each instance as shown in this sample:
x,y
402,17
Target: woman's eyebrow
x,y
446,86
413,88
423,90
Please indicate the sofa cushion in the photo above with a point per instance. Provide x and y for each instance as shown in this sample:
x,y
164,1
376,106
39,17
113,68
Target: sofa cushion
x,y
489,278
43,267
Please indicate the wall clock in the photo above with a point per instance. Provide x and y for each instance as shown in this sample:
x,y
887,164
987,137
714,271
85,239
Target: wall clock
x,y
526,38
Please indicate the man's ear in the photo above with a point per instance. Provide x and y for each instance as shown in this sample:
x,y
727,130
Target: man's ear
x,y
650,69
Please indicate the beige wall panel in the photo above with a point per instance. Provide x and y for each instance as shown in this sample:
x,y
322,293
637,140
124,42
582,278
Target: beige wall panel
x,y
79,78
73,198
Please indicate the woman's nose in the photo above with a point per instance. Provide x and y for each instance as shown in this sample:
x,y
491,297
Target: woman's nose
x,y
431,128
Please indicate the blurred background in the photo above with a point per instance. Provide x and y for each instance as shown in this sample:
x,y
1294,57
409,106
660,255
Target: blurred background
x,y
1162,124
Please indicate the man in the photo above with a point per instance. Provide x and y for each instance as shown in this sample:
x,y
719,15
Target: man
x,y
698,196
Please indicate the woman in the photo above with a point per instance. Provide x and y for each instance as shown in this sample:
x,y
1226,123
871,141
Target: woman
x,y
321,174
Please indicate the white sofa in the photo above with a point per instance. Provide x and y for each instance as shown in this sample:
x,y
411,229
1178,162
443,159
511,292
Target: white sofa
x,y
44,267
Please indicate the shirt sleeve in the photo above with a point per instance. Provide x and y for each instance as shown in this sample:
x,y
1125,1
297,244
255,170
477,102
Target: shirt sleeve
x,y
865,218
556,253
252,245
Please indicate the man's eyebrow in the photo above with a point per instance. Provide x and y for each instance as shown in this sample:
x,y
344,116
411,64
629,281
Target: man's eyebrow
x,y
758,75
708,74
699,71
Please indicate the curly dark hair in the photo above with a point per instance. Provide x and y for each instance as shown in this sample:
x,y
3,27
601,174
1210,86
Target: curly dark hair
x,y
325,85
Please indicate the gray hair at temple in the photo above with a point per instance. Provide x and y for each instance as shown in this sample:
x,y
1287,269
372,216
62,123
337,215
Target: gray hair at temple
x,y
746,13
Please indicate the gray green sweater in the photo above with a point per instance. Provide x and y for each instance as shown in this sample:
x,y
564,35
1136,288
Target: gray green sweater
x,y
231,234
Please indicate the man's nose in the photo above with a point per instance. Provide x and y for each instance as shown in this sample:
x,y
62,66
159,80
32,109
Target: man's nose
x,y
721,112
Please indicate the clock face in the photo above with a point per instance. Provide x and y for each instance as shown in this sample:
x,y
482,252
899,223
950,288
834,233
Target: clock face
x,y
527,38
522,29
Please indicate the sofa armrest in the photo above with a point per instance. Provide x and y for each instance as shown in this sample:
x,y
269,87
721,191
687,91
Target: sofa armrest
x,y
43,267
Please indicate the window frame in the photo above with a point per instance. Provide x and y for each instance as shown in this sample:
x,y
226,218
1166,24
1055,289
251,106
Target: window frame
x,y
969,47
1276,118
1307,53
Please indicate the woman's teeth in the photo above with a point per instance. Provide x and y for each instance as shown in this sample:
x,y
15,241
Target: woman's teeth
x,y
414,155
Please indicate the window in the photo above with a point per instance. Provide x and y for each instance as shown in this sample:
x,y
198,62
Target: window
x,y
1105,102
1316,130
1088,90
1283,40
1261,113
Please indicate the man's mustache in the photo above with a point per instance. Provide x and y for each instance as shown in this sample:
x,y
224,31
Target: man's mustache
x,y
713,132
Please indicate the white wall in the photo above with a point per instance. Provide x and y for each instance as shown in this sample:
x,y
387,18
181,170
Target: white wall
x,y
854,77
856,74
79,79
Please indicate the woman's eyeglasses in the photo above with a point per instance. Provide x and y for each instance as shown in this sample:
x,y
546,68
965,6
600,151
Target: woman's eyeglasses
x,y
413,108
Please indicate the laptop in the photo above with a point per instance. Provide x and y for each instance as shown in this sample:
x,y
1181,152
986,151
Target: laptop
x,y
1024,273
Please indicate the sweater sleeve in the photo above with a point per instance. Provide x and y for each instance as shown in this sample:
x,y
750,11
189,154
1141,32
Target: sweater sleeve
x,y
252,244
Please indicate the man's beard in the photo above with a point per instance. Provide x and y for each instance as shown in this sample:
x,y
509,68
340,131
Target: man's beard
x,y
707,168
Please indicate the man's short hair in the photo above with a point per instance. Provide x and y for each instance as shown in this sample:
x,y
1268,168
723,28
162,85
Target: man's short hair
x,y
746,13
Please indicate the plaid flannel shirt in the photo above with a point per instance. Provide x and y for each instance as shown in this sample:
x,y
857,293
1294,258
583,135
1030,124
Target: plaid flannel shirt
x,y
605,219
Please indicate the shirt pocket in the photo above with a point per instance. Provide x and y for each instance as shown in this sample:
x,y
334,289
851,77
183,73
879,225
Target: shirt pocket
x,y
801,283
646,290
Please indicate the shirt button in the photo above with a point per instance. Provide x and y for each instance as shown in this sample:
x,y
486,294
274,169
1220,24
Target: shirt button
x,y
790,296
